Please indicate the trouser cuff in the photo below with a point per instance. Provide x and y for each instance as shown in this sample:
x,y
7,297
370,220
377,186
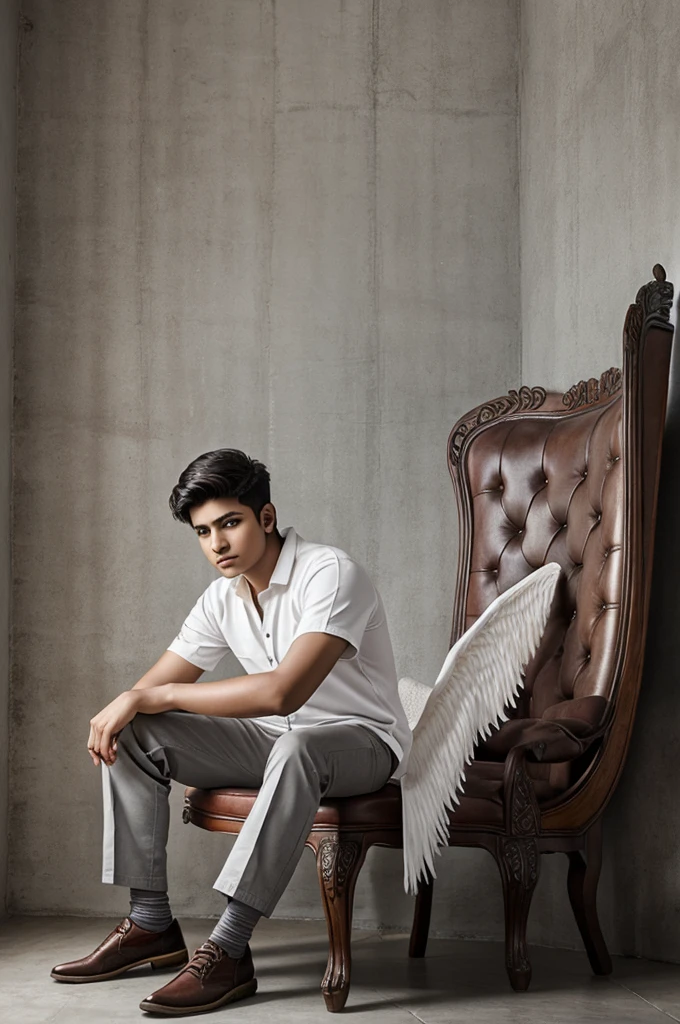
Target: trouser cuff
x,y
136,881
263,904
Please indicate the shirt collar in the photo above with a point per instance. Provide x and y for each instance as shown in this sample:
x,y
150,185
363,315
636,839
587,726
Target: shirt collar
x,y
282,569
286,559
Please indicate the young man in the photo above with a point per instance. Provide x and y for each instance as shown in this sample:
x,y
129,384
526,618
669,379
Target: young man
x,y
317,715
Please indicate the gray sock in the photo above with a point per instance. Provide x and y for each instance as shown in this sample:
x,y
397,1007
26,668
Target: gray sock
x,y
234,929
150,910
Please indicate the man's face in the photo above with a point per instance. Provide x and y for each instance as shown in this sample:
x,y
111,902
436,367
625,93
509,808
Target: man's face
x,y
232,537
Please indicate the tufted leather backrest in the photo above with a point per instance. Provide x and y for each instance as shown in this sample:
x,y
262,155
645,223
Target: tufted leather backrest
x,y
571,478
547,489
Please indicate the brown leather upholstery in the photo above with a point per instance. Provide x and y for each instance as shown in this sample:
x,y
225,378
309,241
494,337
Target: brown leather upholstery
x,y
548,489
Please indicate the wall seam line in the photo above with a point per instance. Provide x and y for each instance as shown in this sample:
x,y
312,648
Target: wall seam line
x,y
22,24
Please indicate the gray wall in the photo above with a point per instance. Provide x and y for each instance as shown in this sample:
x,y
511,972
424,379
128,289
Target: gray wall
x,y
8,35
290,227
295,228
600,165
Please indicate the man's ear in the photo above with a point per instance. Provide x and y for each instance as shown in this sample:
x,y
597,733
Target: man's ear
x,y
268,518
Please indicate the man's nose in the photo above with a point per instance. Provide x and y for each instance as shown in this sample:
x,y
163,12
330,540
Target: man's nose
x,y
219,541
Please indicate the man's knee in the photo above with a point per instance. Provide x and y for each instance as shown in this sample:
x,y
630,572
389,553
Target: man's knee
x,y
297,745
145,732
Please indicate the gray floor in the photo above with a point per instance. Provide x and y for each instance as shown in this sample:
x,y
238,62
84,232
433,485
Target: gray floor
x,y
457,981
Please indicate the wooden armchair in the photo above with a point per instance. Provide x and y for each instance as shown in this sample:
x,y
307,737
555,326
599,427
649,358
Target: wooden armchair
x,y
538,477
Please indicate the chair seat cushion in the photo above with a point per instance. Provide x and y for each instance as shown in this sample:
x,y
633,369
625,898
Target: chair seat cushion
x,y
481,804
381,809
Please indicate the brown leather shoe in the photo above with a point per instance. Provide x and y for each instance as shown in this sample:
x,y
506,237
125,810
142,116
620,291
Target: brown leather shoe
x,y
127,946
210,979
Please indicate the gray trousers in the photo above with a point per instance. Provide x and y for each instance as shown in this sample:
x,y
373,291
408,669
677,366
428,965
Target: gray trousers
x,y
293,772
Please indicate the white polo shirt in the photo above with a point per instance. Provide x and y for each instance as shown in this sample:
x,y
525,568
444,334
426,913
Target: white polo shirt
x,y
314,589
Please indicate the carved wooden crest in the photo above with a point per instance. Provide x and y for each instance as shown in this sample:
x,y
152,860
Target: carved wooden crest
x,y
587,391
524,400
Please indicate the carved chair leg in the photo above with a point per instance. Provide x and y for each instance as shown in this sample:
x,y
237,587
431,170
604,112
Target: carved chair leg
x,y
338,863
519,862
421,920
582,885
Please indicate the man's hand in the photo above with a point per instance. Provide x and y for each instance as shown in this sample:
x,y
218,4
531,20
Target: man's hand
x,y
105,726
144,696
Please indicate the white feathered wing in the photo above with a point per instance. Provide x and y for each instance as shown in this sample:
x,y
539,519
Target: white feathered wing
x,y
481,675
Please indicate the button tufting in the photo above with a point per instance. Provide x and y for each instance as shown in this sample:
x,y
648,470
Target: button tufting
x,y
585,474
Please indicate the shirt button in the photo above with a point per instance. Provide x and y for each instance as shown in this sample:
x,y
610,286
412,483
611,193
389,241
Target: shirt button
x,y
271,661
267,635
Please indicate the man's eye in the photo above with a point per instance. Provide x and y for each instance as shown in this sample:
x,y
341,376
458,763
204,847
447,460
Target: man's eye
x,y
232,522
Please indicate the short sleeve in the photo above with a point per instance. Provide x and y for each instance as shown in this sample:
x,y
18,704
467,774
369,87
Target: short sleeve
x,y
201,641
339,599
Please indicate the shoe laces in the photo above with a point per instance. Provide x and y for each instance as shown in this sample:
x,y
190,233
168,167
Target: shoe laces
x,y
205,958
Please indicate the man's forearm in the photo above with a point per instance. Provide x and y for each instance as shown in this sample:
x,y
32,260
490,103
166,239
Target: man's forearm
x,y
280,691
147,684
169,668
250,696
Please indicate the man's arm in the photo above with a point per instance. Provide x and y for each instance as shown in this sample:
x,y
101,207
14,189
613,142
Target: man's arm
x,y
280,692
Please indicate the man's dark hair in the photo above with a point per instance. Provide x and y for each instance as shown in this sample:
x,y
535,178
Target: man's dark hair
x,y
225,473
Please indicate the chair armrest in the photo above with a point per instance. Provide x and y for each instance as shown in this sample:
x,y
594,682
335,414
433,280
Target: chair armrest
x,y
544,739
563,732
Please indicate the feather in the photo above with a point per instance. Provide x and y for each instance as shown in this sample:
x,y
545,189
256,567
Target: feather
x,y
481,675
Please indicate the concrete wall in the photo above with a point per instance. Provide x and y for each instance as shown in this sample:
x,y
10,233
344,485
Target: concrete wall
x,y
600,165
8,103
291,227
